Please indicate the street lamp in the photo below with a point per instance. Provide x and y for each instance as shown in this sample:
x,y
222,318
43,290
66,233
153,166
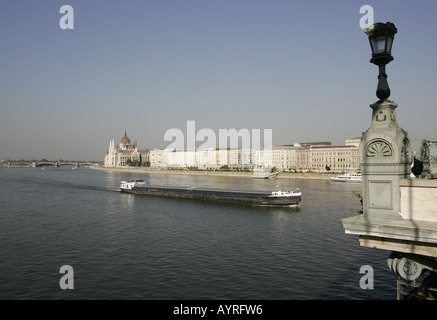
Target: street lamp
x,y
381,37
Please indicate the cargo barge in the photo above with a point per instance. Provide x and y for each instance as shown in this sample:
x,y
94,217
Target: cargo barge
x,y
253,197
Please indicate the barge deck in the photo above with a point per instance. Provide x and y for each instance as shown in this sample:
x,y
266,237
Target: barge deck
x,y
253,197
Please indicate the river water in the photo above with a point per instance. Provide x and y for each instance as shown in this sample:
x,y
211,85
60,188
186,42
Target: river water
x,y
122,246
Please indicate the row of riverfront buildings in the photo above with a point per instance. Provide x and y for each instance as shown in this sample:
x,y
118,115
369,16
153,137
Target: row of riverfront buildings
x,y
317,156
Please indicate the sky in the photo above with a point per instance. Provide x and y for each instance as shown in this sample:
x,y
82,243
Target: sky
x,y
299,68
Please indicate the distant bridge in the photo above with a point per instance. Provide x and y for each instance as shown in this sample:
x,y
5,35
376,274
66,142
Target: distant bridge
x,y
18,164
57,164
34,164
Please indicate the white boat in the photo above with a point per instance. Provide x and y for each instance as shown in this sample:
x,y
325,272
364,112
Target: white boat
x,y
264,173
348,177
127,185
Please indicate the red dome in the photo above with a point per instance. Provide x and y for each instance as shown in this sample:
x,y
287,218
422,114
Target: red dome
x,y
125,140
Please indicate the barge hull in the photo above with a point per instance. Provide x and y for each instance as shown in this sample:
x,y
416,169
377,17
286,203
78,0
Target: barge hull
x,y
246,197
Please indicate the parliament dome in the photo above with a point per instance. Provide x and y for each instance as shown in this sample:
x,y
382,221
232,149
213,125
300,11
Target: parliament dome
x,y
125,140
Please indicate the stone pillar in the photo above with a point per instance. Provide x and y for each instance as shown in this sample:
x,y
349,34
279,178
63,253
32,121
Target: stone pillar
x,y
385,157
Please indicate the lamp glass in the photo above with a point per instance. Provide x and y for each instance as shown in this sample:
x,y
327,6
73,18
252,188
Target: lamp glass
x,y
389,43
378,44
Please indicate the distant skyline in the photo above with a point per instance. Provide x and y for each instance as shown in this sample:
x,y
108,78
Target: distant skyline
x,y
299,68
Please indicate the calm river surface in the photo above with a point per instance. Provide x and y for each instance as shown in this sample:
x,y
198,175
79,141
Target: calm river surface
x,y
122,246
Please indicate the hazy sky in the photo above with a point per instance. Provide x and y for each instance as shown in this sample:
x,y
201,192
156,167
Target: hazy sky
x,y
300,68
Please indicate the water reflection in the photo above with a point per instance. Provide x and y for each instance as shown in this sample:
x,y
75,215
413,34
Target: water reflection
x,y
139,247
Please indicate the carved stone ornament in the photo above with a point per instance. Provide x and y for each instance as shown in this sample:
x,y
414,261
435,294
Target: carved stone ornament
x,y
379,149
405,151
425,153
381,117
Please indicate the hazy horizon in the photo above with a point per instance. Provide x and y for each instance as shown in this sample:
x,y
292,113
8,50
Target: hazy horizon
x,y
299,68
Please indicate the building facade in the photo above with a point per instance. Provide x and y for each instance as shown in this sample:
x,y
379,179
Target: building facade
x,y
125,154
317,157
333,158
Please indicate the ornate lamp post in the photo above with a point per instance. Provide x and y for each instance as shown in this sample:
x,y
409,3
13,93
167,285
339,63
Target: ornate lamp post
x,y
385,146
389,222
381,36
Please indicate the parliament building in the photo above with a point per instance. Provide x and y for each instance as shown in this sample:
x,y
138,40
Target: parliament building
x,y
124,154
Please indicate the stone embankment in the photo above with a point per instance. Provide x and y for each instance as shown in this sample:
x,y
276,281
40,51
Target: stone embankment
x,y
282,175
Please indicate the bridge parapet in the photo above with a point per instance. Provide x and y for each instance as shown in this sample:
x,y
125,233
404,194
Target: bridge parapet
x,y
412,239
418,199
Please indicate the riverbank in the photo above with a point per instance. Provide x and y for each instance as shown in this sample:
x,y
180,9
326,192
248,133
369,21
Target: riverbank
x,y
282,175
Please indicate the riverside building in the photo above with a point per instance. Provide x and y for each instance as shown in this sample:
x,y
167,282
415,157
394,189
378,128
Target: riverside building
x,y
322,157
334,158
315,156
125,154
